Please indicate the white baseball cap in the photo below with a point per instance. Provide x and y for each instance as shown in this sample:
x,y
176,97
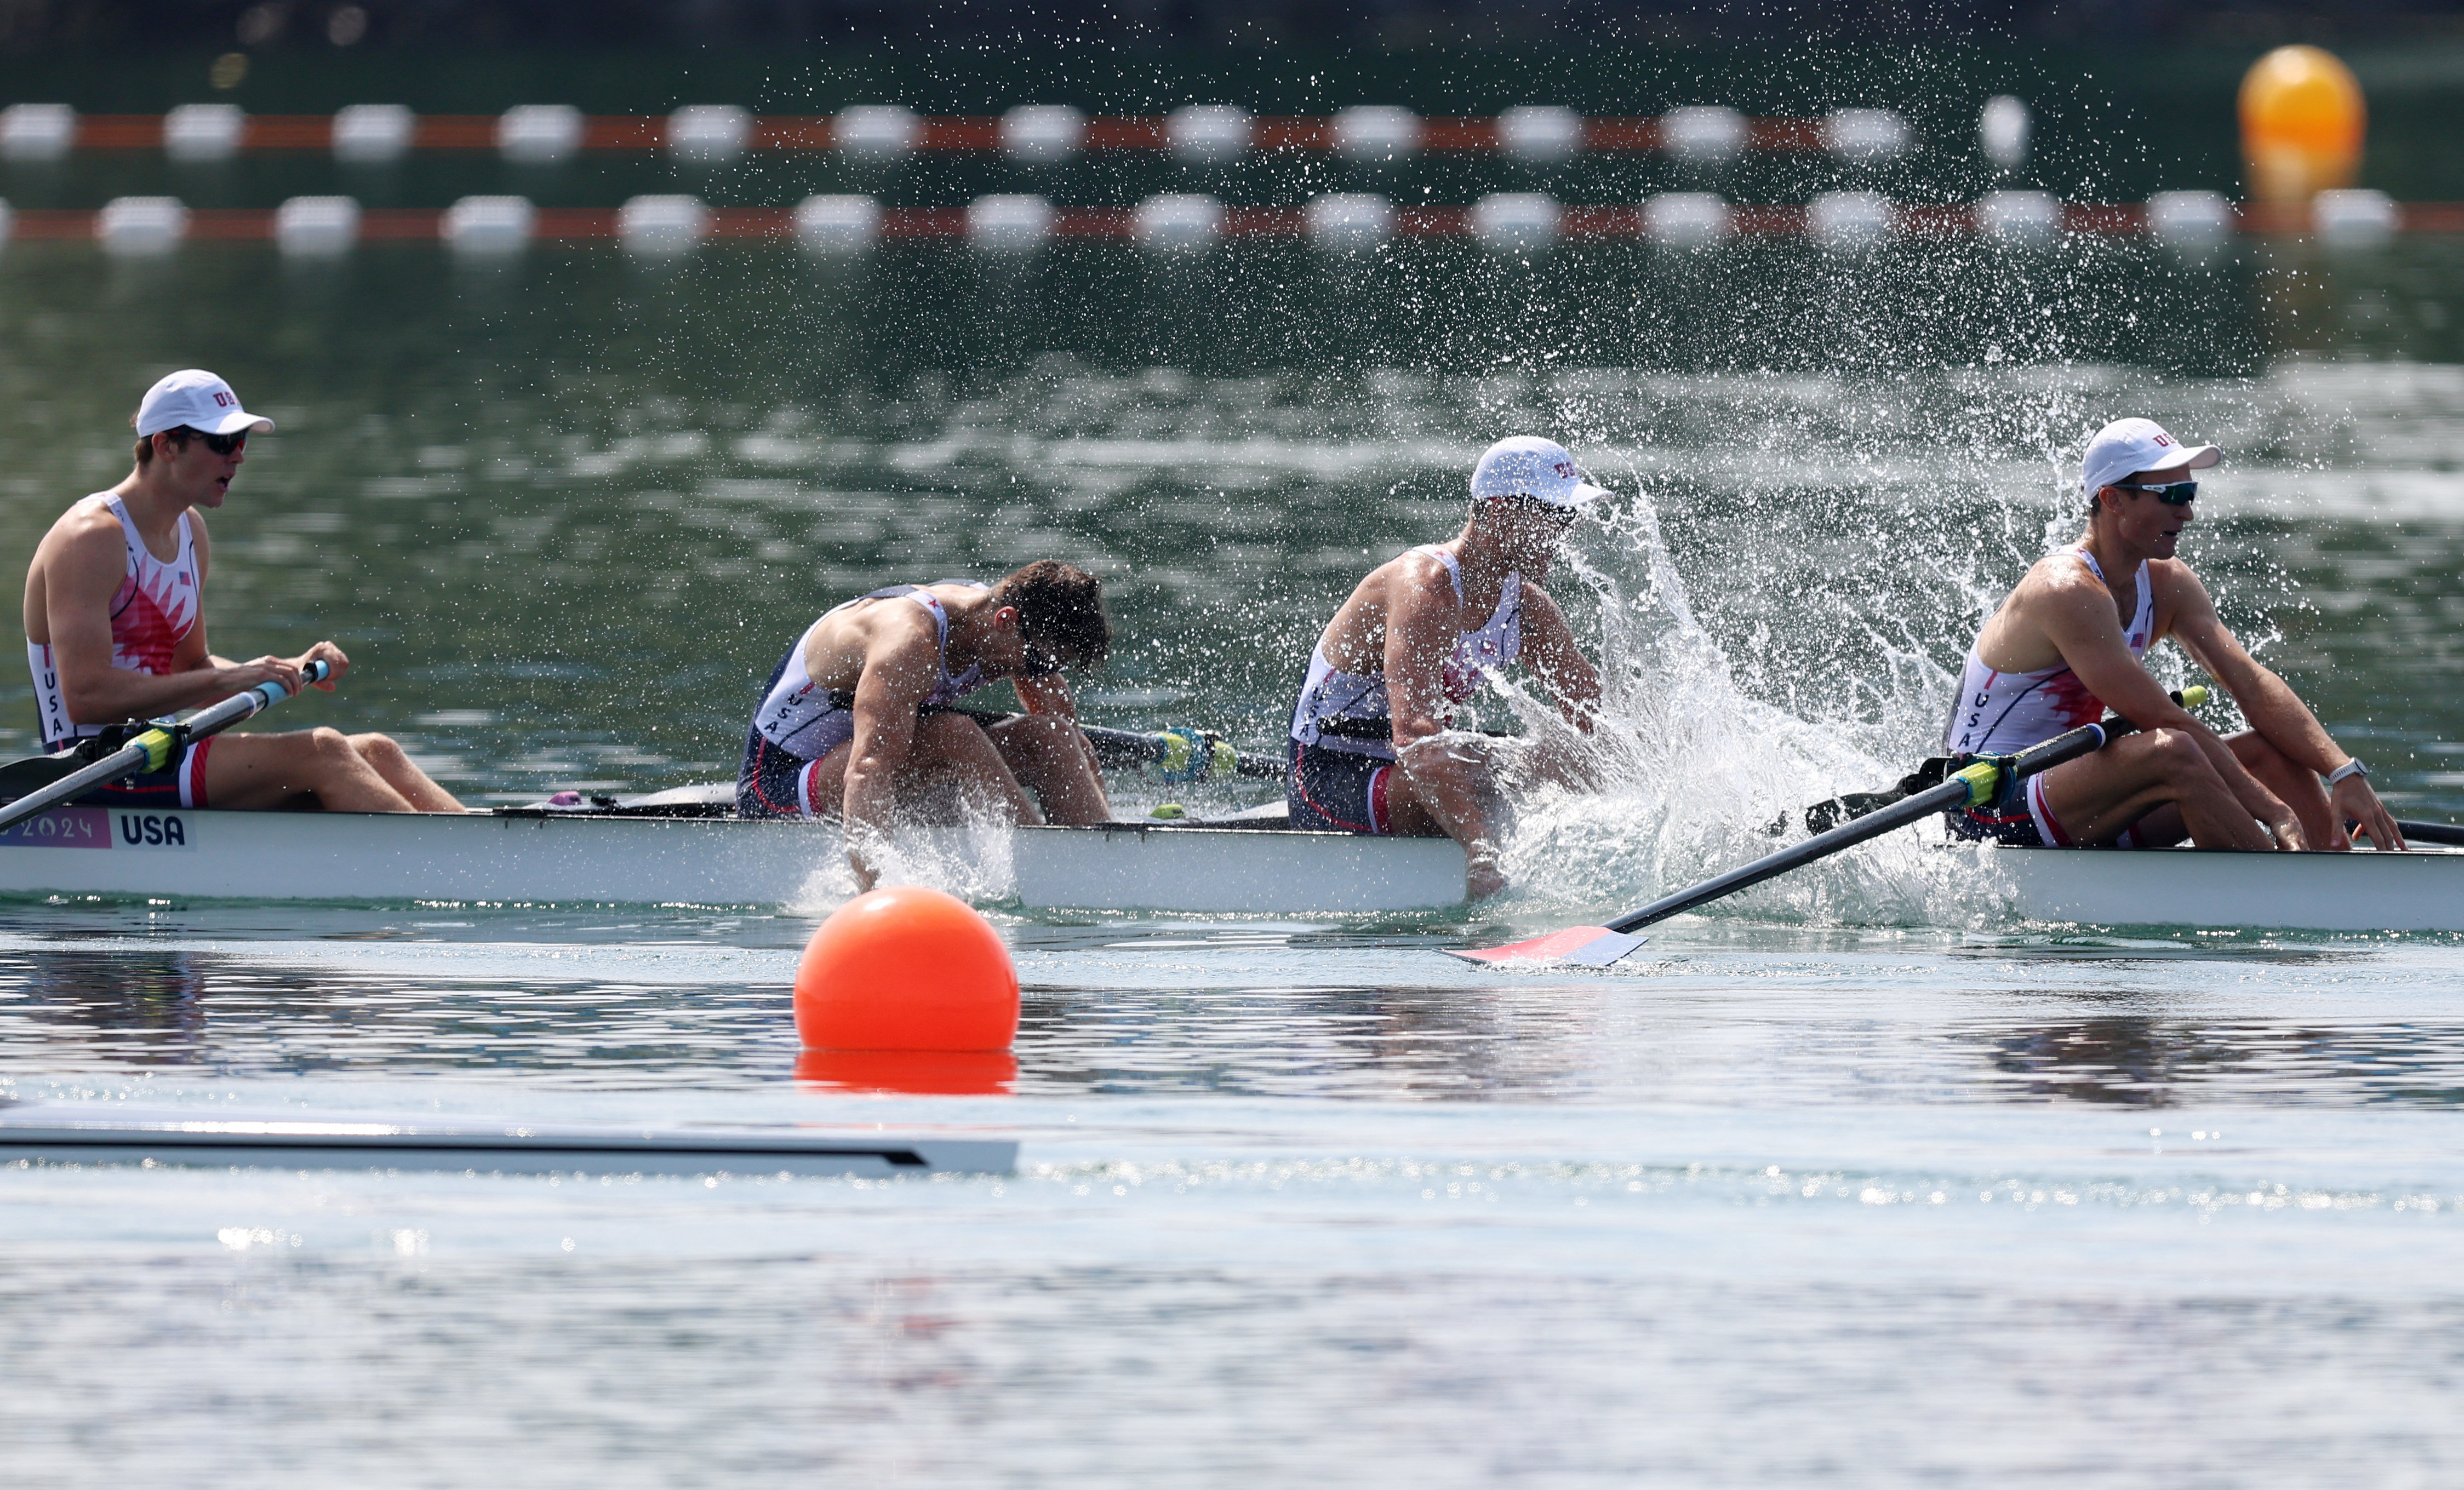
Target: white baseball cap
x,y
1528,466
2133,445
195,398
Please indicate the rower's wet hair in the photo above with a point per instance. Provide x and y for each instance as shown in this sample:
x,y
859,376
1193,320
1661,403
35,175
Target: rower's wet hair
x,y
1062,609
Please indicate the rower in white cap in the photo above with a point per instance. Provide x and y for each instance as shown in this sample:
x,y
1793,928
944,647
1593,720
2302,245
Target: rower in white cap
x,y
115,630
2066,645
1371,751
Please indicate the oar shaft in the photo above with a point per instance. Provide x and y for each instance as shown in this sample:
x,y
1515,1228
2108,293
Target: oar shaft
x,y
1898,815
151,750
1131,748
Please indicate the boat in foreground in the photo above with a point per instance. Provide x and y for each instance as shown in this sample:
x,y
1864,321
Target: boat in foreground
x,y
111,1133
680,848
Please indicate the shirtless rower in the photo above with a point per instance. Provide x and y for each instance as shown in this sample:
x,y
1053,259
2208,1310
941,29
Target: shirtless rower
x,y
856,724
2068,645
1371,748
115,630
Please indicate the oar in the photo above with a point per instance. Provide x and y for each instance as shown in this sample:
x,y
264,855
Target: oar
x,y
1598,946
152,751
1184,754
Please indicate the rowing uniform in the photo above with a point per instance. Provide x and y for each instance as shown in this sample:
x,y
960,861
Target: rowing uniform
x,y
800,722
1999,713
1342,745
152,612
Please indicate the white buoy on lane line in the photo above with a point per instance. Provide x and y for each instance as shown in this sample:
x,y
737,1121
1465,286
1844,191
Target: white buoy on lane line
x,y
838,223
1348,222
1208,133
1177,221
371,134
709,132
1042,133
317,227
1515,222
876,131
662,225
37,131
1009,222
140,227
488,226
1687,219
539,134
1539,135
201,133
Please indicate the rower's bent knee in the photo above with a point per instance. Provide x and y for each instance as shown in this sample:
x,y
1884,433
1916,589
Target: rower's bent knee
x,y
2178,754
328,743
380,751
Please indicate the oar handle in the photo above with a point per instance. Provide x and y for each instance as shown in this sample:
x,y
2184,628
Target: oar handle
x,y
153,749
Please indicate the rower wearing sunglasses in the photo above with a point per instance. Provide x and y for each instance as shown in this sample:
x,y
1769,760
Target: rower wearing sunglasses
x,y
1373,747
856,721
2067,645
115,631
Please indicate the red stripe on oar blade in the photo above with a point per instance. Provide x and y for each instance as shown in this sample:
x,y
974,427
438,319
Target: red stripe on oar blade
x,y
1591,946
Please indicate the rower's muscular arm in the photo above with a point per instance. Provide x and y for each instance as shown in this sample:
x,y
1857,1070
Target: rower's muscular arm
x,y
900,663
2078,617
2273,709
1046,696
1424,621
78,570
1556,661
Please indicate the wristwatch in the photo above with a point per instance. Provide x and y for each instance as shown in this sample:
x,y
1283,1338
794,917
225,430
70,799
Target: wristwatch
x,y
2353,766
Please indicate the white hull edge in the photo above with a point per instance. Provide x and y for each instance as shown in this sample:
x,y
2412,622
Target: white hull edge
x,y
1253,870
2421,890
414,856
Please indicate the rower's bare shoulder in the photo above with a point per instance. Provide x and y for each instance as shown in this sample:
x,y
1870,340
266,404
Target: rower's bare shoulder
x,y
86,533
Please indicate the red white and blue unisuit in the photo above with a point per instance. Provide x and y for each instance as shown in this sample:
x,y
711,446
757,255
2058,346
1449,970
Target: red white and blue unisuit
x,y
801,722
1999,713
1342,743
152,612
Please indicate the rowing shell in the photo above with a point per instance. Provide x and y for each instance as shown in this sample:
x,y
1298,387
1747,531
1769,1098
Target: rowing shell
x,y
527,856
109,1133
530,856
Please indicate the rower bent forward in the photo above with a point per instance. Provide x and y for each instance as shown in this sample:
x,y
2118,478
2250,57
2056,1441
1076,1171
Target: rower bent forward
x,y
1371,746
856,722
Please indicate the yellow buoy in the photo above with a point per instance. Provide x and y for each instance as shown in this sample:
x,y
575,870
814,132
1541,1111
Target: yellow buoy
x,y
2302,120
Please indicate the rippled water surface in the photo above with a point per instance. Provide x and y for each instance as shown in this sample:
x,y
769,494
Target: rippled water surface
x,y
1858,1181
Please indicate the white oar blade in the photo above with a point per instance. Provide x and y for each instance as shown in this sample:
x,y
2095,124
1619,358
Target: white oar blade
x,y
1582,946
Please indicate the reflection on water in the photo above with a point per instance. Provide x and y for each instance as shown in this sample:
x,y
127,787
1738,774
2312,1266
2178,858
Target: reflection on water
x,y
2154,1063
1700,1026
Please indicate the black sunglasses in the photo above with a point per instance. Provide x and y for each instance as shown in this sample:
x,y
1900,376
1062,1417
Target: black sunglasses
x,y
2181,494
220,444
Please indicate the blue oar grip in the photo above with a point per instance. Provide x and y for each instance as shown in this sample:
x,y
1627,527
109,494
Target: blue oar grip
x,y
270,691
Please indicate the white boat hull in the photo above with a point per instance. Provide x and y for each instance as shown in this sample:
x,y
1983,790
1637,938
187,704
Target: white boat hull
x,y
582,857
2420,890
414,856
1256,870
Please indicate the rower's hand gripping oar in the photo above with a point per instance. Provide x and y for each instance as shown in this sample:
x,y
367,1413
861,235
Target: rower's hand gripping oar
x,y
153,750
1972,785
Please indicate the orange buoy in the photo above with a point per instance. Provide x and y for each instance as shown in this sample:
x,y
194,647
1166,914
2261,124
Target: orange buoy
x,y
906,968
2302,121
